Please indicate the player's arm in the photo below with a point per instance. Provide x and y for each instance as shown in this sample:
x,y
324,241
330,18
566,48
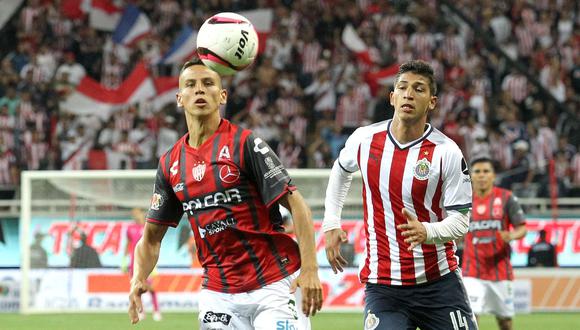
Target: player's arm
x,y
146,256
165,210
336,191
517,233
456,189
261,162
453,227
308,280
516,216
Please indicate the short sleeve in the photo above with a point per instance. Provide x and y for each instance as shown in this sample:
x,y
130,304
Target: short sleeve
x,y
266,169
165,208
348,157
456,180
515,211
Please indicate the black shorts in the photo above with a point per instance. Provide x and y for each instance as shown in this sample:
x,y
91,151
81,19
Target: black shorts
x,y
440,305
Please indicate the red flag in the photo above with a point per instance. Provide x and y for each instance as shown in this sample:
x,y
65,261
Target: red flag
x,y
382,77
354,43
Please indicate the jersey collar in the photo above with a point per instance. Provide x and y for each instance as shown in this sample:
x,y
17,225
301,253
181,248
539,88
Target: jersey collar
x,y
428,130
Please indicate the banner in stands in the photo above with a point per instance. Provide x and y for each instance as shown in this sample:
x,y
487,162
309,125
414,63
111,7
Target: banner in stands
x,y
105,290
58,237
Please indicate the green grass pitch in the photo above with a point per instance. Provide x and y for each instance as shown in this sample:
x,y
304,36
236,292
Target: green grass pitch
x,y
177,321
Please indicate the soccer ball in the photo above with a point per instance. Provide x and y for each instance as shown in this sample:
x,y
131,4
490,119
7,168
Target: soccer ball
x,y
227,43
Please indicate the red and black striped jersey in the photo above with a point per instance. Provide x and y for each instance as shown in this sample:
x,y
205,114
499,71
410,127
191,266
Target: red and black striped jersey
x,y
486,255
228,188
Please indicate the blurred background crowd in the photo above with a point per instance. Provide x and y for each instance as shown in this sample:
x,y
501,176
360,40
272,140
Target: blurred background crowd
x,y
508,79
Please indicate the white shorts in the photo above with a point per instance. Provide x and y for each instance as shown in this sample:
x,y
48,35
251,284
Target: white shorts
x,y
270,307
494,297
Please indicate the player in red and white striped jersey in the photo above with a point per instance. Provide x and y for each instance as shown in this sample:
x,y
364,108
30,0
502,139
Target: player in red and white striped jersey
x,y
229,184
486,264
416,197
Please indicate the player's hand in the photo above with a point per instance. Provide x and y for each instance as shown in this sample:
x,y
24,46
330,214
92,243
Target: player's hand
x,y
334,239
413,231
135,304
505,235
311,290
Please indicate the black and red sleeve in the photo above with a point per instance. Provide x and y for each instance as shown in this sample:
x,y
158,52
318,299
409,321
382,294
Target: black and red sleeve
x,y
165,208
266,169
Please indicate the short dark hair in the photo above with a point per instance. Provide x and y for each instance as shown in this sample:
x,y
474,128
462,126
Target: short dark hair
x,y
483,160
196,61
193,61
421,68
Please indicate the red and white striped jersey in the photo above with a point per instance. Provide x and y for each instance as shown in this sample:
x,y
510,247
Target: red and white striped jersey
x,y
426,176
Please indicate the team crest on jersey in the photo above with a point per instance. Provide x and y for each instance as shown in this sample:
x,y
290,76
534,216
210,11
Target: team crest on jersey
x,y
198,171
371,321
156,201
421,171
229,174
480,209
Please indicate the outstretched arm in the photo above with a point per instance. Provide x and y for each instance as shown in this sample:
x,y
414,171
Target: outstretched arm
x,y
338,186
146,256
308,280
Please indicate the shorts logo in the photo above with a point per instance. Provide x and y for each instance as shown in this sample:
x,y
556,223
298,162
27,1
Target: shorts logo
x,y
211,317
371,321
198,171
229,174
292,307
286,325
421,171
156,201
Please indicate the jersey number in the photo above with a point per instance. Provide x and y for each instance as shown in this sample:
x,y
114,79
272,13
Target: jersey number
x,y
458,321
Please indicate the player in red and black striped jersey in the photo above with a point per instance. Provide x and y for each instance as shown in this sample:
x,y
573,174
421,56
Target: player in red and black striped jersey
x,y
229,183
496,219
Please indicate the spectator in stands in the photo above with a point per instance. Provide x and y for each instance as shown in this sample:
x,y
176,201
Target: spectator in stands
x,y
76,72
167,135
522,170
542,253
85,256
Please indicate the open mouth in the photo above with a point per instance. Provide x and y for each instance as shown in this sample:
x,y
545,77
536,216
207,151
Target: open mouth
x,y
200,102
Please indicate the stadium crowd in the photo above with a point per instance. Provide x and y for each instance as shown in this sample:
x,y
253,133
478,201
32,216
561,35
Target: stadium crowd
x,y
307,91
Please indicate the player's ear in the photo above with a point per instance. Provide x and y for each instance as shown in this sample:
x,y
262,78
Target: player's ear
x,y
223,96
432,103
391,101
179,100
